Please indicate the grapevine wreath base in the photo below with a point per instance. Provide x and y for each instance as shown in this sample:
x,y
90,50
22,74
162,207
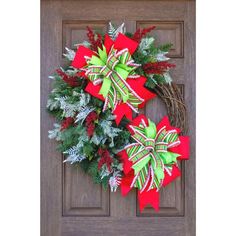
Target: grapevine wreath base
x,y
173,99
95,99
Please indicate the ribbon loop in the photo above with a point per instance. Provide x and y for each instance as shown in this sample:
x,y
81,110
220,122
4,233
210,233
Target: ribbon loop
x,y
112,62
112,71
150,154
150,144
106,71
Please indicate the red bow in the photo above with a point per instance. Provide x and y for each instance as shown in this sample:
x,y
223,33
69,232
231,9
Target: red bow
x,y
137,84
152,197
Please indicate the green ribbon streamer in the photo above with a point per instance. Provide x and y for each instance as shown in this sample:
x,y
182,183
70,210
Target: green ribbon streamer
x,y
106,85
150,130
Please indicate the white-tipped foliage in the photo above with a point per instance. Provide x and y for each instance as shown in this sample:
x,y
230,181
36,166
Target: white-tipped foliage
x,y
104,172
145,45
115,181
70,54
85,43
109,130
167,77
53,104
70,109
74,155
83,113
161,56
98,139
55,133
113,32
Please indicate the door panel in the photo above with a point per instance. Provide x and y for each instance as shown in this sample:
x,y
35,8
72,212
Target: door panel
x,y
71,203
81,197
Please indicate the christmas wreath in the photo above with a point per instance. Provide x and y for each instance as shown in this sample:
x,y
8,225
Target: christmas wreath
x,y
95,99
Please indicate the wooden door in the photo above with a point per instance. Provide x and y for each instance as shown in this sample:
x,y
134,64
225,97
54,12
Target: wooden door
x,y
71,204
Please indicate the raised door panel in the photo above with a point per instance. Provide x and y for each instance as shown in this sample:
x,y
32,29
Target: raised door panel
x,y
81,197
167,31
75,31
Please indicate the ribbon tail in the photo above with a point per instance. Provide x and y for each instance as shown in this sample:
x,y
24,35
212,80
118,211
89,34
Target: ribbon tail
x,y
122,110
79,60
148,197
142,162
165,122
174,174
138,86
127,165
121,86
138,120
108,42
123,41
106,85
94,90
126,183
183,149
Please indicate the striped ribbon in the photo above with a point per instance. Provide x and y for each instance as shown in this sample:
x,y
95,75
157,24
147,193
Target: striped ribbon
x,y
150,155
112,70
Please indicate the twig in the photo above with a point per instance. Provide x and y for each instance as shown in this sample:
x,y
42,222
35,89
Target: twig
x,y
176,107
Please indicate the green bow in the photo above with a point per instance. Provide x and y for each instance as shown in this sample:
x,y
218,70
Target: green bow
x,y
112,71
150,154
